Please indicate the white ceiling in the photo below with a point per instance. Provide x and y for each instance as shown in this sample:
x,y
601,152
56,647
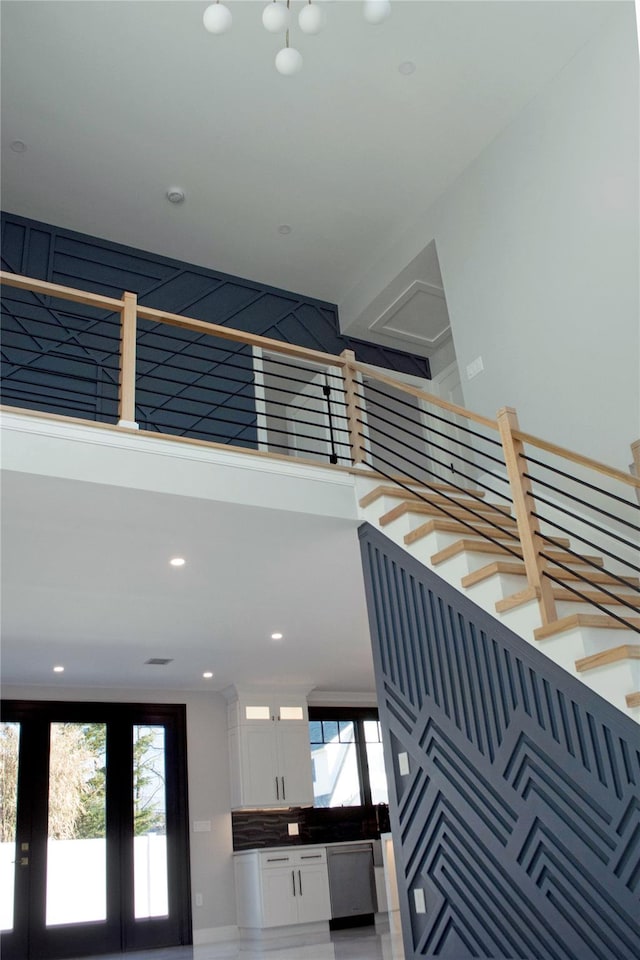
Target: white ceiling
x,y
116,102
86,584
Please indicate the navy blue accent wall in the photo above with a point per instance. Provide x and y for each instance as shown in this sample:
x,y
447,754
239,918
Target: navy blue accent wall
x,y
63,358
519,818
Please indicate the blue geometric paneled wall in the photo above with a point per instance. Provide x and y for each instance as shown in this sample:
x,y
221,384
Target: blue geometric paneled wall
x,y
62,357
514,790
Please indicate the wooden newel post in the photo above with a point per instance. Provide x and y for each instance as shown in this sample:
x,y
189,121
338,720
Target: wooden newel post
x,y
355,422
127,391
524,505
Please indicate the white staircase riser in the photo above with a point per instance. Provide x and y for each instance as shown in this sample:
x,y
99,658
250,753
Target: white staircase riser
x,y
523,620
424,548
487,593
564,648
613,680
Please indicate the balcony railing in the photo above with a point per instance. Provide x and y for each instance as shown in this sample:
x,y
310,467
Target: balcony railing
x,y
83,355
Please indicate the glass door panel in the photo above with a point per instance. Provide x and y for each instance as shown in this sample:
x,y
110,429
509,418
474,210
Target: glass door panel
x,y
151,892
76,835
93,800
9,751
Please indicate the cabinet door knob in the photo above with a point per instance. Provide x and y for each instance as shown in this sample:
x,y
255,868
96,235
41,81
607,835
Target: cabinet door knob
x,y
284,796
300,882
293,881
278,790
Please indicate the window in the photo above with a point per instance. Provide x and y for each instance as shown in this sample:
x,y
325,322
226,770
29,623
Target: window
x,y
346,757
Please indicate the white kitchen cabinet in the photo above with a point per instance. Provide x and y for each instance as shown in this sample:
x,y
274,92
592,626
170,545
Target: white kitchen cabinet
x,y
269,752
276,888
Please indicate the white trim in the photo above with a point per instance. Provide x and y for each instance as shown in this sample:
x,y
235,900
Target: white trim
x,y
215,935
148,444
337,698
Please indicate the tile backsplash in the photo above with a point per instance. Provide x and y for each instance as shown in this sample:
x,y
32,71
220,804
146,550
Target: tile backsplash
x,y
270,828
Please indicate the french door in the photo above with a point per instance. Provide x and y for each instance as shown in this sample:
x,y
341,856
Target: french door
x,y
93,829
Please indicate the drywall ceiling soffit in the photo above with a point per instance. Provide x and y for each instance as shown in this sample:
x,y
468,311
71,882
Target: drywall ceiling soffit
x,y
418,316
410,312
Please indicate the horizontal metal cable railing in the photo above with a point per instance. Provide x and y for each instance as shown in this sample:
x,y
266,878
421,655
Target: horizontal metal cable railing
x,y
83,355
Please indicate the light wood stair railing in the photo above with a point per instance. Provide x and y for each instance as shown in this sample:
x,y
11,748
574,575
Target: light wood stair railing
x,y
527,522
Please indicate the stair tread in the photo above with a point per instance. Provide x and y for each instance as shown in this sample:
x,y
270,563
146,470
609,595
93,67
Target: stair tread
x,y
517,568
447,525
452,511
523,596
392,491
626,651
573,620
478,546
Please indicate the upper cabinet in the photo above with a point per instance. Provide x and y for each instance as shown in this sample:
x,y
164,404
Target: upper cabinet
x,y
269,750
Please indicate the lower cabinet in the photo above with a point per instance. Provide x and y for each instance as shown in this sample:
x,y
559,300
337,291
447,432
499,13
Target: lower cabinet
x,y
276,888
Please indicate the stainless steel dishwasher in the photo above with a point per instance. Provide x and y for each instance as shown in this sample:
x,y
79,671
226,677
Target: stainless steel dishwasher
x,y
351,883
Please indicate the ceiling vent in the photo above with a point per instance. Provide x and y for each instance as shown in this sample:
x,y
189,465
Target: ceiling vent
x,y
159,661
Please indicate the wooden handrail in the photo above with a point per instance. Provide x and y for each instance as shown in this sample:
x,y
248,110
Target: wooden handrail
x,y
577,458
423,395
56,290
250,339
171,319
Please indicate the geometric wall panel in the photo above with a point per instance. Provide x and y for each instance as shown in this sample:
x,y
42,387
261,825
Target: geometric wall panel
x,y
62,357
519,817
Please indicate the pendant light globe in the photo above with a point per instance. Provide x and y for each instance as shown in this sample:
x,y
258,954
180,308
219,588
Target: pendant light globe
x,y
375,11
311,18
288,61
276,17
217,18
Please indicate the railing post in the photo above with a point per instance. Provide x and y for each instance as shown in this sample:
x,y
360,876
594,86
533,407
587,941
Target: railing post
x,y
635,466
524,505
127,385
355,424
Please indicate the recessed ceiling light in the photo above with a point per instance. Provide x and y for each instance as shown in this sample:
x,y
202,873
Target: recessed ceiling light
x,y
284,229
207,674
58,669
276,636
18,146
407,68
177,561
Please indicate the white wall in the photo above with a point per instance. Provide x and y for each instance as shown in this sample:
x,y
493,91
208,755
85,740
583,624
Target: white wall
x,y
538,247
209,794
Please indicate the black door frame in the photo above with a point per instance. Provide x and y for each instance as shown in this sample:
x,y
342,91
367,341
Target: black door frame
x,y
30,937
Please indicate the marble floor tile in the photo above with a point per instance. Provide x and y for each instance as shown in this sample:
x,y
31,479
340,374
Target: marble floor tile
x,y
364,943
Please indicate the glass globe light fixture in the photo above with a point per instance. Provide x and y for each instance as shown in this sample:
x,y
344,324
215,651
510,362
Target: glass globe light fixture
x,y
311,18
375,11
276,16
288,61
217,18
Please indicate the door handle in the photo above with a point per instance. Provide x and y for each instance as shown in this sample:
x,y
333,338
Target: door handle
x,y
277,790
293,881
284,796
300,882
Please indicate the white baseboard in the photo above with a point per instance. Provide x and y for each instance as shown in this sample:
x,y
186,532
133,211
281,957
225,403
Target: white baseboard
x,y
215,935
